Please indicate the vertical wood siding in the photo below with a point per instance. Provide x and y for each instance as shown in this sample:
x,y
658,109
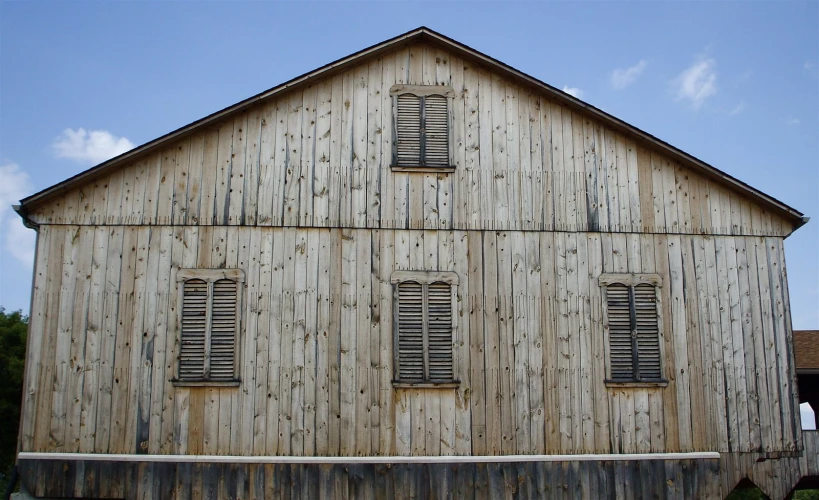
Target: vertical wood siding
x,y
320,156
316,344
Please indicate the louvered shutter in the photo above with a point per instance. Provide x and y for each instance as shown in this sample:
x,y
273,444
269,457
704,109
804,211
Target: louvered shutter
x,y
648,335
223,330
620,342
408,125
436,131
439,314
410,332
194,328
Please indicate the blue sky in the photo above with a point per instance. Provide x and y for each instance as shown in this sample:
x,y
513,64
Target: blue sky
x,y
734,84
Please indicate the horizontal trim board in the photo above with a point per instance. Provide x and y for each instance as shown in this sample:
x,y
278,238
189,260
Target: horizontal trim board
x,y
234,459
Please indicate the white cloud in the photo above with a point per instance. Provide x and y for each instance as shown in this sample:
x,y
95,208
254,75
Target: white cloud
x,y
793,121
739,108
90,146
15,184
698,82
809,65
622,78
573,91
20,241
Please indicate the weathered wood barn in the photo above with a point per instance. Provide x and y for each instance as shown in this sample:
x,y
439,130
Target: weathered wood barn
x,y
413,272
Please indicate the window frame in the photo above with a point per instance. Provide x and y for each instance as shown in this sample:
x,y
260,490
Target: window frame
x,y
422,91
424,278
209,276
632,280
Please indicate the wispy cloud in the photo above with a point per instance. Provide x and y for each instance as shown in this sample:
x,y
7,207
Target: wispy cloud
x,y
622,78
739,108
573,91
17,239
810,65
792,122
89,146
697,83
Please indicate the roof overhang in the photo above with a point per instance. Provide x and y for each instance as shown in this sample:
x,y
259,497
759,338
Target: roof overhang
x,y
424,34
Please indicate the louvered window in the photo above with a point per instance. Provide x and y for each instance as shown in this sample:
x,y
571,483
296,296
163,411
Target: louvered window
x,y
209,324
422,127
424,327
633,323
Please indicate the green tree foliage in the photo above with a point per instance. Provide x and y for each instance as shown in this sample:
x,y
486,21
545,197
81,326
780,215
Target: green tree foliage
x,y
13,330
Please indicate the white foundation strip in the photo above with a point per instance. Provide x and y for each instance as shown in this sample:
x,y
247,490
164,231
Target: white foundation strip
x,y
449,459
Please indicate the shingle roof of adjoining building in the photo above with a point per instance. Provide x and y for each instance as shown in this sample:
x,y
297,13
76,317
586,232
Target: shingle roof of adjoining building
x,y
806,349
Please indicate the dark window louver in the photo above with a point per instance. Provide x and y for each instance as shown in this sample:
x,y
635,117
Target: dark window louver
x,y
422,129
208,330
634,343
424,333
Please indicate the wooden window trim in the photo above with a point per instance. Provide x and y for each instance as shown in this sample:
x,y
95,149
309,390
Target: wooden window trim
x,y
424,278
631,281
210,277
423,91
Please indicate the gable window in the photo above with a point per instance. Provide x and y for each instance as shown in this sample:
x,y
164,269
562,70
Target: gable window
x,y
632,323
209,322
423,333
421,116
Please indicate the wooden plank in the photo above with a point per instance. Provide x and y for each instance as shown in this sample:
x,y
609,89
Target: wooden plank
x,y
720,411
472,140
760,383
781,331
692,311
386,408
596,356
737,342
662,257
310,379
263,298
373,159
644,181
348,326
704,327
92,353
534,185
548,288
160,422
727,351
506,359
238,170
76,362
321,174
513,155
307,168
289,345
748,351
534,347
586,363
266,211
194,180
494,436
334,341
487,161
579,175
657,193
374,379
299,342
477,346
569,180
294,107
35,371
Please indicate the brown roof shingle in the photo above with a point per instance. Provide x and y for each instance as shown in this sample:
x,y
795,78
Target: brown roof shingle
x,y
806,349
